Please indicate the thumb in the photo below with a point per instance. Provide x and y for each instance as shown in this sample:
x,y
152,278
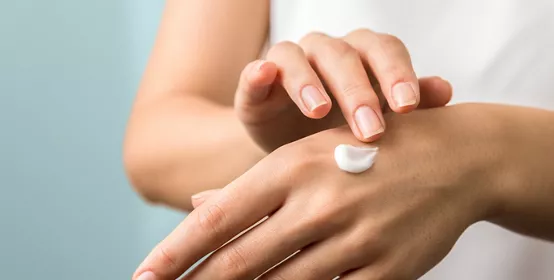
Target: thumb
x,y
200,197
254,88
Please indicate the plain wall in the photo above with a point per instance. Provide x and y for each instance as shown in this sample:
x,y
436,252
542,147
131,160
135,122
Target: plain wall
x,y
68,74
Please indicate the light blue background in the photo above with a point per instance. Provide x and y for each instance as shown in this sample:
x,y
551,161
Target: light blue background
x,y
68,73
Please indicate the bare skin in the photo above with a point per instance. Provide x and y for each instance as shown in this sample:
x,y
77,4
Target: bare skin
x,y
431,180
199,124
183,122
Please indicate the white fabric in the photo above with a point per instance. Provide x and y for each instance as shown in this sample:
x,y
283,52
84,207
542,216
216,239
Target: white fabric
x,y
498,51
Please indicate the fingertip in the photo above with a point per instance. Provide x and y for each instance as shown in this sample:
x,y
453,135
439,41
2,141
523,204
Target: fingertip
x,y
267,67
262,73
201,197
404,97
435,91
148,275
372,138
404,110
368,123
435,83
320,111
447,89
255,82
196,202
316,102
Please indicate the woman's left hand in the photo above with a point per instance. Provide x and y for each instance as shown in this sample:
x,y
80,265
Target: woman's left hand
x,y
431,180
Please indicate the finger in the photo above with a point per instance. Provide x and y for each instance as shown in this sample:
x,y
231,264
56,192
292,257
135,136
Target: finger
x,y
299,80
435,92
389,61
200,197
369,273
252,93
340,67
383,267
259,249
324,260
238,206
255,82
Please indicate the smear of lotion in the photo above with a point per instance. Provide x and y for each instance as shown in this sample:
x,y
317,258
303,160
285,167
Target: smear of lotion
x,y
355,159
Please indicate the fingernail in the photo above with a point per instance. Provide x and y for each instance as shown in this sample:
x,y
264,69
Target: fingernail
x,y
404,95
368,122
149,275
260,64
202,195
312,98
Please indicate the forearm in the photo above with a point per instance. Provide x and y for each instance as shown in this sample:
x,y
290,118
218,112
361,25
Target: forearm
x,y
183,137
527,183
182,145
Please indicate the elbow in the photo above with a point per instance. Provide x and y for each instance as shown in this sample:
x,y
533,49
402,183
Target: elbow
x,y
153,162
139,173
154,178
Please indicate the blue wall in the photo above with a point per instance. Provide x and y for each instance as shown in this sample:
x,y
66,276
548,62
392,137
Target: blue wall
x,y
68,73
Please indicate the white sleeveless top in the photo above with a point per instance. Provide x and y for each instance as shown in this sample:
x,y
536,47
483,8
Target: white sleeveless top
x,y
498,51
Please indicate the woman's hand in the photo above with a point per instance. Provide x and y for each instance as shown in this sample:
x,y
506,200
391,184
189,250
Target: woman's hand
x,y
431,180
296,81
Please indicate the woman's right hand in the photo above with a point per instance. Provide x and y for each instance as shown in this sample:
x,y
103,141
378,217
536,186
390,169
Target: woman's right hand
x,y
355,70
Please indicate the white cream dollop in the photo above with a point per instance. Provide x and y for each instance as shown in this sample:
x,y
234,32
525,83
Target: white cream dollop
x,y
355,159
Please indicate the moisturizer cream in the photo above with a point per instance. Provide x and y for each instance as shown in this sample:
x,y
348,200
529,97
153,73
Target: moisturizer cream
x,y
355,159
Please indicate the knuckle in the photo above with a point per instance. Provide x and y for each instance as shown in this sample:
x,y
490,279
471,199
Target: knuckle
x,y
392,46
360,32
355,244
283,48
294,172
394,71
391,72
232,263
312,36
357,89
212,220
368,241
296,158
166,257
339,48
327,209
388,40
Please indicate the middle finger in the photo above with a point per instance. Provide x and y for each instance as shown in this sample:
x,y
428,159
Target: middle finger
x,y
341,68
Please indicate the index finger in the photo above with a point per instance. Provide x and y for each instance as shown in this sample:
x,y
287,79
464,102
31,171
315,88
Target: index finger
x,y
237,207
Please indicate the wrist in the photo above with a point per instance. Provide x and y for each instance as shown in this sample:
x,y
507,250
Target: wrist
x,y
482,155
524,173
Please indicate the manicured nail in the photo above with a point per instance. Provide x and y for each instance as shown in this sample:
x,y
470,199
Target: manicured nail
x,y
149,275
368,122
404,95
312,98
